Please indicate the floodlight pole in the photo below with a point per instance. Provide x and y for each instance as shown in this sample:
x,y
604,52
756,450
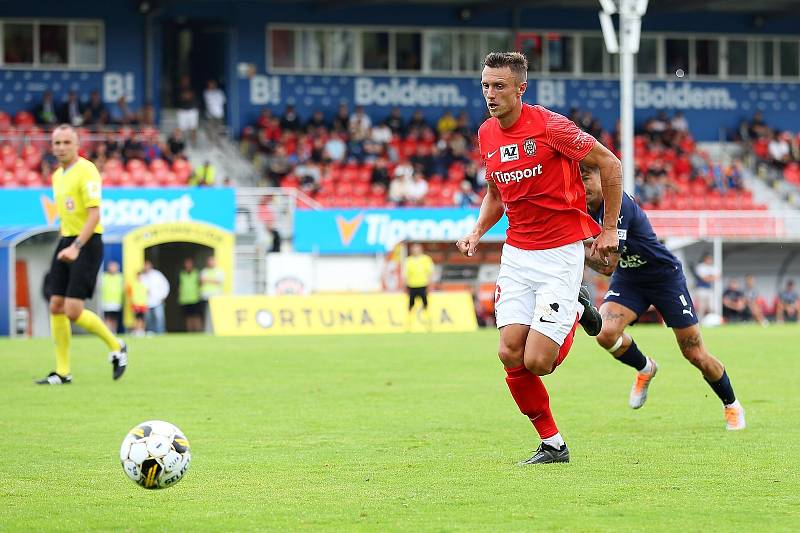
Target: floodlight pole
x,y
628,23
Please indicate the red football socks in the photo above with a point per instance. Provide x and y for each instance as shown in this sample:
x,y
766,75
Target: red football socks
x,y
564,350
532,399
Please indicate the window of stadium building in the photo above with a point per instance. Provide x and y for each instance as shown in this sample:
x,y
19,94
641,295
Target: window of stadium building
x,y
52,44
560,53
592,54
448,51
790,59
408,51
647,58
737,58
439,51
375,50
706,56
677,56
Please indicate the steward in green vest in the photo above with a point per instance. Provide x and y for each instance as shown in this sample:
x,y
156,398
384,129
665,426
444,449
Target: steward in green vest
x,y
189,296
113,292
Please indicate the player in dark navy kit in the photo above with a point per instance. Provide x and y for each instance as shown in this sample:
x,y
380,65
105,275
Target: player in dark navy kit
x,y
644,272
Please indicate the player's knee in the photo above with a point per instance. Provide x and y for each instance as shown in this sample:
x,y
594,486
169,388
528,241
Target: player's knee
x,y
695,355
540,366
73,311
510,356
608,337
56,307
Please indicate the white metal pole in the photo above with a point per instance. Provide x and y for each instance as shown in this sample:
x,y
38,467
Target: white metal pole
x,y
626,21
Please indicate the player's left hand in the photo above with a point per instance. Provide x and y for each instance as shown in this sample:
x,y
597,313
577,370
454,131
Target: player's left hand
x,y
606,243
68,254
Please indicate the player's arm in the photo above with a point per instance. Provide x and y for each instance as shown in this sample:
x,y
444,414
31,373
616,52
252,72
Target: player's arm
x,y
71,252
603,266
492,210
611,181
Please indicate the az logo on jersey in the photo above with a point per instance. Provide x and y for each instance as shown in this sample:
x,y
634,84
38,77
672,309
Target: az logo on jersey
x,y
529,146
509,152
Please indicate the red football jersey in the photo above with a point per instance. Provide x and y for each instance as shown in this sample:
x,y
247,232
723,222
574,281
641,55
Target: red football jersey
x,y
534,164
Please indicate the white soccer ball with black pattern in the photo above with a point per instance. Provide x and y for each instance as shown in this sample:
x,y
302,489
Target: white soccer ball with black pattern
x,y
155,454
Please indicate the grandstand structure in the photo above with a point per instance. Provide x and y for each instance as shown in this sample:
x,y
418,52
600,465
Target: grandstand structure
x,y
349,126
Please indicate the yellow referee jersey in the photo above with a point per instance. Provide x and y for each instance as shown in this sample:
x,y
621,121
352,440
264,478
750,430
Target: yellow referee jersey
x,y
418,270
76,189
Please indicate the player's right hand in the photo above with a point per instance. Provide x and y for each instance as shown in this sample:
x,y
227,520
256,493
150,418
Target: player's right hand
x,y
467,244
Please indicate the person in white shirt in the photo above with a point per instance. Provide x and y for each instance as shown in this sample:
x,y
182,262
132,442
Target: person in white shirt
x,y
215,106
705,275
417,189
157,291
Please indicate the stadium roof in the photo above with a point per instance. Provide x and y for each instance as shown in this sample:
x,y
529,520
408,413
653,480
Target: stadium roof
x,y
762,7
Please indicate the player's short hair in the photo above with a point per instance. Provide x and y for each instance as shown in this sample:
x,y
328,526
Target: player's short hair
x,y
517,62
66,127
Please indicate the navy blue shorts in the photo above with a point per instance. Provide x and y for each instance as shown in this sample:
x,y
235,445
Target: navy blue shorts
x,y
670,297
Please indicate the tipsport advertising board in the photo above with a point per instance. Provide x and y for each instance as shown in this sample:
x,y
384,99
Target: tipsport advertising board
x,y
126,207
365,231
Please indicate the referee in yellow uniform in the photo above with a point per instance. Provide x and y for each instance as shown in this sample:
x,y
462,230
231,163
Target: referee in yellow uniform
x,y
417,270
77,188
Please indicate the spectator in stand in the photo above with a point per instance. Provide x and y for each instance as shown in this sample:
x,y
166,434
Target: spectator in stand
x,y
95,113
309,175
176,145
279,166
465,125
188,114
753,300
705,275
153,147
471,172
317,125
398,189
417,124
788,305
132,147
779,149
270,136
359,125
341,121
204,175
380,173
758,128
71,111
734,304
447,123
422,160
465,197
679,122
121,114
395,122
264,117
290,121
45,112
215,100
417,189
382,134
335,149
147,117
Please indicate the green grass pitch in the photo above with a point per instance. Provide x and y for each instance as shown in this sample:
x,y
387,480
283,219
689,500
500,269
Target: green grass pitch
x,y
409,432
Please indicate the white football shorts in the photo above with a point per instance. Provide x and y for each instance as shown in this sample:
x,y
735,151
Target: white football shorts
x,y
539,288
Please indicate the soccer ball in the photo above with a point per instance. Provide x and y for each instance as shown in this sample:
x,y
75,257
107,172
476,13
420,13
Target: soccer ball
x,y
155,454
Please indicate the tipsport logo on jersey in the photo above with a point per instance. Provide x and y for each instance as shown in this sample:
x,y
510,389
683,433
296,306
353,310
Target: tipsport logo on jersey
x,y
354,231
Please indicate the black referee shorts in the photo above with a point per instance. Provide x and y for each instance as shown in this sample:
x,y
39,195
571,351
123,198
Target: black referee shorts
x,y
76,280
417,292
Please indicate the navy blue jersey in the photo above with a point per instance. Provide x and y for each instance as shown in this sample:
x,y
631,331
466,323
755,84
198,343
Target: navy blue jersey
x,y
643,257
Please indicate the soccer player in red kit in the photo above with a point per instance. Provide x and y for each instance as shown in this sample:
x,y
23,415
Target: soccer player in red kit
x,y
532,158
